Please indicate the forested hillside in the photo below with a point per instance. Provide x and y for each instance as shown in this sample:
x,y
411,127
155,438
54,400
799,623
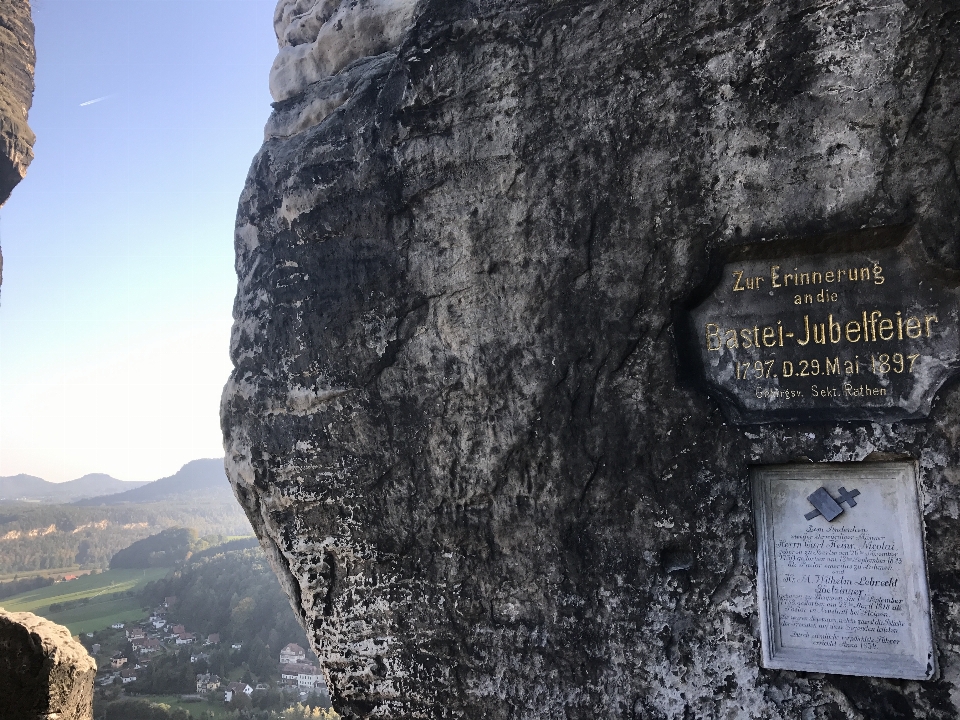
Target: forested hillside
x,y
38,537
165,549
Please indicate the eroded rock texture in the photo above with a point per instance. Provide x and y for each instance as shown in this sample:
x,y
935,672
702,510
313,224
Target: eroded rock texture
x,y
456,418
44,673
17,60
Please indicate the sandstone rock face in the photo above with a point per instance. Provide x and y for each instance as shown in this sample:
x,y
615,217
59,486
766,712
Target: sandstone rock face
x,y
17,60
44,673
456,418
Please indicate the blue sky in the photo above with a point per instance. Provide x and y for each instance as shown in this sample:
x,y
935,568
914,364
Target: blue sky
x,y
118,273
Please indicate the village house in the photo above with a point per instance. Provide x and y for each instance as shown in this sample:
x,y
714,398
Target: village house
x,y
118,660
207,682
288,674
197,657
303,675
236,687
128,676
177,629
213,639
311,679
145,645
186,638
169,602
135,633
236,646
292,653
117,626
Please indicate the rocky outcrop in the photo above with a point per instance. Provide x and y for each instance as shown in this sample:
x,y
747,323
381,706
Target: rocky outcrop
x,y
17,60
457,419
44,673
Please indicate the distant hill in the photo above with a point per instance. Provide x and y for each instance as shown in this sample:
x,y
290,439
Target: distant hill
x,y
33,489
198,476
164,549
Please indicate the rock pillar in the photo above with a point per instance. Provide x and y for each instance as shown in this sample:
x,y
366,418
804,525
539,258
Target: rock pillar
x,y
44,673
459,419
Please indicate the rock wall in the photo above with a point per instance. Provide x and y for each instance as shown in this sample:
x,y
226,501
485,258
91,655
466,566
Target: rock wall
x,y
456,418
17,60
44,673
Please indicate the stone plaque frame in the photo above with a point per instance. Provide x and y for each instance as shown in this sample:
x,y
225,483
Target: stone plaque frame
x,y
775,348
811,575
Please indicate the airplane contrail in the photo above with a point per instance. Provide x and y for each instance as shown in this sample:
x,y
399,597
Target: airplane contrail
x,y
91,102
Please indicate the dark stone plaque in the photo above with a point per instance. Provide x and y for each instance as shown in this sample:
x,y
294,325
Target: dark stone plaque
x,y
859,335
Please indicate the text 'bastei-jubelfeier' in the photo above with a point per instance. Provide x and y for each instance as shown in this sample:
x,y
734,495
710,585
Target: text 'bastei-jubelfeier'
x,y
862,335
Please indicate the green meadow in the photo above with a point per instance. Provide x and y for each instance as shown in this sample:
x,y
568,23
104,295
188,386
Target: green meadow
x,y
102,608
214,706
49,572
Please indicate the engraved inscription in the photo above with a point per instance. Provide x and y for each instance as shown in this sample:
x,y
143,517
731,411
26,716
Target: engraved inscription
x,y
849,336
846,591
841,588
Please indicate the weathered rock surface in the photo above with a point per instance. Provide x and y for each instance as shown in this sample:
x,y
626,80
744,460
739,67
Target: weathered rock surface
x,y
456,419
17,60
44,673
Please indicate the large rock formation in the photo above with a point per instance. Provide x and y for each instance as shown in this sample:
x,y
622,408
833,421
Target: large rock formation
x,y
456,419
17,60
44,673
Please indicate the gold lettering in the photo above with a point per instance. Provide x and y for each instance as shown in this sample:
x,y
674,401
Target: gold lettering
x,y
928,319
808,298
834,338
803,279
864,273
873,324
745,334
774,276
853,331
730,339
820,338
769,337
899,326
797,300
738,274
885,326
806,327
833,367
817,278
913,327
847,367
877,274
713,334
829,276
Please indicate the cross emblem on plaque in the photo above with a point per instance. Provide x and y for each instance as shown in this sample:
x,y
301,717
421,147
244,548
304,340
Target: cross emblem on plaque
x,y
824,503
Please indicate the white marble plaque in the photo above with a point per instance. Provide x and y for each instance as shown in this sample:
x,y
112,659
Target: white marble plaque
x,y
847,595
